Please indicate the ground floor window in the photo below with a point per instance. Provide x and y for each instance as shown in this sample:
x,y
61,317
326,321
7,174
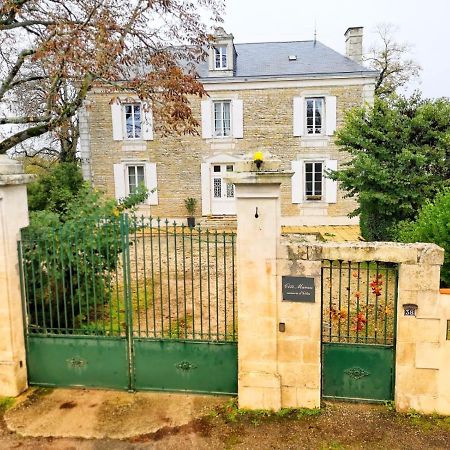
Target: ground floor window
x,y
129,175
313,180
135,177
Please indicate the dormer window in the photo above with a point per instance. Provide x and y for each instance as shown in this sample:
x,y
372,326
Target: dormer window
x,y
220,57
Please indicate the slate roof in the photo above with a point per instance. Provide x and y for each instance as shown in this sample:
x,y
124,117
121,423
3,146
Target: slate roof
x,y
271,59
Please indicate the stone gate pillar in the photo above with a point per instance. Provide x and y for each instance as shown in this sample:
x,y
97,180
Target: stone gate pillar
x,y
13,217
258,234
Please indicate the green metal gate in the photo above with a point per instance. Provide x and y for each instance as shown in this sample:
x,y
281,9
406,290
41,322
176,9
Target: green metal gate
x,y
358,330
130,303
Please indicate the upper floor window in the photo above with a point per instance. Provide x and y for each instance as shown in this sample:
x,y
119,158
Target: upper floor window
x,y
133,121
135,177
222,119
220,57
314,115
313,180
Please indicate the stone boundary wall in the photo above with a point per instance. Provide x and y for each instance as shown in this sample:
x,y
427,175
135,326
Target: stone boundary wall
x,y
279,343
422,351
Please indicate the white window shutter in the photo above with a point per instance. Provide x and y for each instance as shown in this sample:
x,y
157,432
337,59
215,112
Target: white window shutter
x,y
237,116
331,185
297,182
206,110
206,188
117,124
147,122
119,181
330,115
299,116
151,183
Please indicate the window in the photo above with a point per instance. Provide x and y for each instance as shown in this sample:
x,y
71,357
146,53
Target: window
x,y
133,122
136,177
313,180
314,115
129,175
220,57
222,119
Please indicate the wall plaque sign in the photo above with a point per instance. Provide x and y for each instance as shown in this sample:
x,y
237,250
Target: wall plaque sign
x,y
410,309
298,289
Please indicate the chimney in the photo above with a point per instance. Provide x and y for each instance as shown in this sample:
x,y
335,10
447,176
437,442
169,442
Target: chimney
x,y
354,43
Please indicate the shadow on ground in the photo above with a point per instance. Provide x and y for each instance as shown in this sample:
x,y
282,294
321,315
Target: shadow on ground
x,y
94,419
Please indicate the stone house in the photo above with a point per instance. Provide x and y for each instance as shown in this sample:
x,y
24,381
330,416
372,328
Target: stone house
x,y
281,98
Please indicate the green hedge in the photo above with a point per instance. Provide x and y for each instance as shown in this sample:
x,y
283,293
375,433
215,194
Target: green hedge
x,y
432,225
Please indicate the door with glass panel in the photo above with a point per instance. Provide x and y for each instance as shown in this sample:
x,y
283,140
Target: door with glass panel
x,y
222,193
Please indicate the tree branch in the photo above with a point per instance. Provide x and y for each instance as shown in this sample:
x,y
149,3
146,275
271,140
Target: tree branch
x,y
25,23
27,80
6,85
24,119
23,135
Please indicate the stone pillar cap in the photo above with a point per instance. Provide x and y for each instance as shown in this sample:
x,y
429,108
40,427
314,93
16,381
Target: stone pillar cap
x,y
11,172
10,166
260,177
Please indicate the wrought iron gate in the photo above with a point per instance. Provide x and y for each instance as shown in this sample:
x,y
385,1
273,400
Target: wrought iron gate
x,y
130,303
358,330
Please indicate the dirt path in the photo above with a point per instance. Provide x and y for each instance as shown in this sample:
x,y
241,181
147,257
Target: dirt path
x,y
338,426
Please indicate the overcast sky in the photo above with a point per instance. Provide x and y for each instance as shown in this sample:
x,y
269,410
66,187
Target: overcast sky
x,y
423,24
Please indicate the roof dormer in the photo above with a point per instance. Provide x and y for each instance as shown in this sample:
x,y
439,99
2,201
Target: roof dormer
x,y
222,55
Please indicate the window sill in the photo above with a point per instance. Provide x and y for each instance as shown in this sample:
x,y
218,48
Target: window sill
x,y
315,141
221,140
137,145
314,204
314,136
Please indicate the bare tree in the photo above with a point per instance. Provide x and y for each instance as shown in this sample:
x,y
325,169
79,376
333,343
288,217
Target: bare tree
x,y
53,52
392,60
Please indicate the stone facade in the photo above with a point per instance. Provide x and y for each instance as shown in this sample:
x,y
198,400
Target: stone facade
x,y
268,127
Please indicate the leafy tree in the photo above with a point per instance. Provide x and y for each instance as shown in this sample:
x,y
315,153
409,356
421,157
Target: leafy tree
x,y
399,157
432,225
73,253
391,59
54,51
54,190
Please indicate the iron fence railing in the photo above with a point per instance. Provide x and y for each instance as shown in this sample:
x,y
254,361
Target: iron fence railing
x,y
182,281
359,302
120,276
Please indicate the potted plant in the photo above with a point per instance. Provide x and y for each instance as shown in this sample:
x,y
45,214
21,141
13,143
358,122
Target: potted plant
x,y
190,205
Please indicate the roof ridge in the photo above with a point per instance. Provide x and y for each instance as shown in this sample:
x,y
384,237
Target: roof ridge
x,y
276,42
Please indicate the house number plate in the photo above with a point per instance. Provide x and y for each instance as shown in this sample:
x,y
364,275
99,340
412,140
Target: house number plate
x,y
298,289
410,310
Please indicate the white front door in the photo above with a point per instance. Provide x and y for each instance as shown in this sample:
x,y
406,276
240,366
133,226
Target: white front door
x,y
222,193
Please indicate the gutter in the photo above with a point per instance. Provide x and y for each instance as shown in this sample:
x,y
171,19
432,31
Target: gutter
x,y
335,75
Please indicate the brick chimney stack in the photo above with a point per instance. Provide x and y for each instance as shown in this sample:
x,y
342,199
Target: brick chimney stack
x,y
354,43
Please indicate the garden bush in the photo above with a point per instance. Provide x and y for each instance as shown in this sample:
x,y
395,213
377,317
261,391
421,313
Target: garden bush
x,y
432,225
70,255
54,190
